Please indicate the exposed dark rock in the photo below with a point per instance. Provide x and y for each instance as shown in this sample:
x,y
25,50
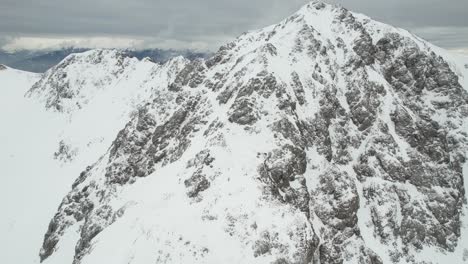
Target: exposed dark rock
x,y
202,158
143,144
364,99
65,153
221,56
427,137
298,88
74,208
93,225
289,131
365,49
281,167
269,242
339,190
243,112
192,75
225,95
196,183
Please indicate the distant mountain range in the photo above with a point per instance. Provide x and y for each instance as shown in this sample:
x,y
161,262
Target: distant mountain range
x,y
41,61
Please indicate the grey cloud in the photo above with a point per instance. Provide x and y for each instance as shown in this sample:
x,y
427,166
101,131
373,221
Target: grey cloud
x,y
442,22
207,20
5,39
448,37
184,18
413,13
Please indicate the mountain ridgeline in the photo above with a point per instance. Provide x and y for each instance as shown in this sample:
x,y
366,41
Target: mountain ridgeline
x,y
41,61
327,138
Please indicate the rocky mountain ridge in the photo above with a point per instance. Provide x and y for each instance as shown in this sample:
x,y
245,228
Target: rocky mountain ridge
x,y
327,138
39,61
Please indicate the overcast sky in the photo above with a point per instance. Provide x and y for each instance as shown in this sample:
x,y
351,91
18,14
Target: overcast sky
x,y
202,24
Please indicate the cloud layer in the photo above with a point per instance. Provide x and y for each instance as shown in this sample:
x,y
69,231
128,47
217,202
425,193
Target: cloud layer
x,y
203,24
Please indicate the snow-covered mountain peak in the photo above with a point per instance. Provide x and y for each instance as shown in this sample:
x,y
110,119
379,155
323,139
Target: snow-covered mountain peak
x,y
326,138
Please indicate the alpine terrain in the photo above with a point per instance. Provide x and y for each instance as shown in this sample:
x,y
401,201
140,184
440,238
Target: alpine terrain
x,y
328,138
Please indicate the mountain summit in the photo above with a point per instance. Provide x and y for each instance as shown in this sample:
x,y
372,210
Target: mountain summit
x,y
327,138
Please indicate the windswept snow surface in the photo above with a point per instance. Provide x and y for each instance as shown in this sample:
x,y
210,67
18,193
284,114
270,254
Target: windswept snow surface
x,y
32,182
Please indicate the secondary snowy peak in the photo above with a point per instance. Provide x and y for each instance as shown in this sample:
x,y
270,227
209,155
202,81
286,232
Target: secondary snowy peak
x,y
104,102
99,90
70,85
327,138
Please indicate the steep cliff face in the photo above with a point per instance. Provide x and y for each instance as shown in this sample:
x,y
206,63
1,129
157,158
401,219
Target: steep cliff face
x,y
327,138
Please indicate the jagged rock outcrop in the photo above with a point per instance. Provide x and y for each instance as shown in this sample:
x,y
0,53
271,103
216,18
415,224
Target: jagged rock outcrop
x,y
327,138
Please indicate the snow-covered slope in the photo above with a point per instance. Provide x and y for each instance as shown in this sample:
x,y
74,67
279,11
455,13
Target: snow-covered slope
x,y
327,138
44,149
30,188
